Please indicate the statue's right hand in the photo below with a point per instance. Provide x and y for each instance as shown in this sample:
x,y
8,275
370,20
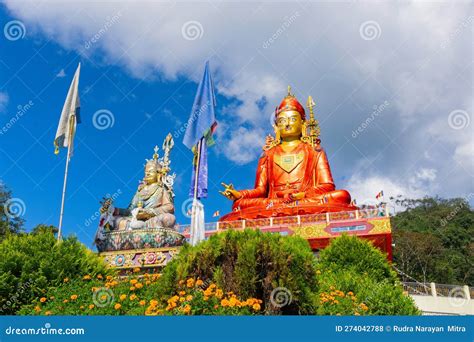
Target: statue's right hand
x,y
230,192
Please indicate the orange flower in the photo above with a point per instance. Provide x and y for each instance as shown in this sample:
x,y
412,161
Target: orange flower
x,y
187,308
74,297
66,280
153,302
199,282
182,299
189,298
65,301
37,308
142,302
43,299
136,270
133,297
224,302
132,288
190,282
86,277
91,306
147,282
138,285
219,293
256,307
117,306
123,296
182,293
48,313
99,276
133,281
109,277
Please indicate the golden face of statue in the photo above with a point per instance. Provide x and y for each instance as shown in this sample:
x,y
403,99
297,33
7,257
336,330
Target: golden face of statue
x,y
289,124
151,174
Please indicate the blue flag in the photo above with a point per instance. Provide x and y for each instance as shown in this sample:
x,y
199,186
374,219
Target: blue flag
x,y
200,127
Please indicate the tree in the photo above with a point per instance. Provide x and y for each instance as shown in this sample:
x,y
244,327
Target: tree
x,y
43,228
434,240
10,221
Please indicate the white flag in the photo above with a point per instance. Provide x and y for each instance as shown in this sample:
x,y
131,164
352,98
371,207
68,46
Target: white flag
x,y
197,223
69,116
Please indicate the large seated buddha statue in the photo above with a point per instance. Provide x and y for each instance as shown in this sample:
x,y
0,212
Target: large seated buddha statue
x,y
293,174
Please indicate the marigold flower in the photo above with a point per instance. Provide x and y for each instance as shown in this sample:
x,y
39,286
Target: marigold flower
x,y
224,302
182,299
86,277
43,299
189,298
199,282
133,297
117,306
142,302
133,281
99,276
37,308
109,277
182,293
66,280
147,282
65,301
74,297
132,288
48,313
136,270
256,307
153,302
219,293
216,306
181,282
81,307
187,308
190,282
91,306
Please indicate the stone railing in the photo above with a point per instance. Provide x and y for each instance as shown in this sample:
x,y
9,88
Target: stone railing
x,y
438,290
376,212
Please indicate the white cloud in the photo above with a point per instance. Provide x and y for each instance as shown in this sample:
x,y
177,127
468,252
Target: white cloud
x,y
420,61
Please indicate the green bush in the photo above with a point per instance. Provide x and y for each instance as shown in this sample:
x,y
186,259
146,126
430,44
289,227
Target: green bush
x,y
251,264
31,263
355,278
358,256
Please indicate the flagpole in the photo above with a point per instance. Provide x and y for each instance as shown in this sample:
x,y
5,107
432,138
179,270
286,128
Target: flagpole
x,y
197,168
71,127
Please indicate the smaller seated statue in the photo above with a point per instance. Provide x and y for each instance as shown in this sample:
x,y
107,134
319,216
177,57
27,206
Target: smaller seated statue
x,y
152,205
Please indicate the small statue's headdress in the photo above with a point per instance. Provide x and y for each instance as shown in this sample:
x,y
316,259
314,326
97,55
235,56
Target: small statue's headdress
x,y
153,163
290,103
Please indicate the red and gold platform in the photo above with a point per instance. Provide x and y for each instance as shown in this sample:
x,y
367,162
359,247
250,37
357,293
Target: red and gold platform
x,y
368,224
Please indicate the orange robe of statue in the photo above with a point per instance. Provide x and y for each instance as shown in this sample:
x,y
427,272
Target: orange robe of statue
x,y
280,174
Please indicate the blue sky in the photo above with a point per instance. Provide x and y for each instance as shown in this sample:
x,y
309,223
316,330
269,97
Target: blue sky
x,y
395,108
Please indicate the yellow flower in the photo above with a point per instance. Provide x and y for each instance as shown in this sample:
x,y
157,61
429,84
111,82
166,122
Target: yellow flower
x,y
219,293
224,302
136,270
199,282
48,313
147,282
99,276
103,297
132,288
190,282
43,299
256,307
117,306
142,302
133,281
74,297
86,277
153,302
91,306
81,307
37,308
133,297
65,301
318,272
138,285
189,298
181,282
182,299
66,280
109,277
182,293
123,296
187,308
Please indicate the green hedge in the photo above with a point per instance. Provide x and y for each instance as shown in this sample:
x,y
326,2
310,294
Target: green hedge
x,y
32,263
